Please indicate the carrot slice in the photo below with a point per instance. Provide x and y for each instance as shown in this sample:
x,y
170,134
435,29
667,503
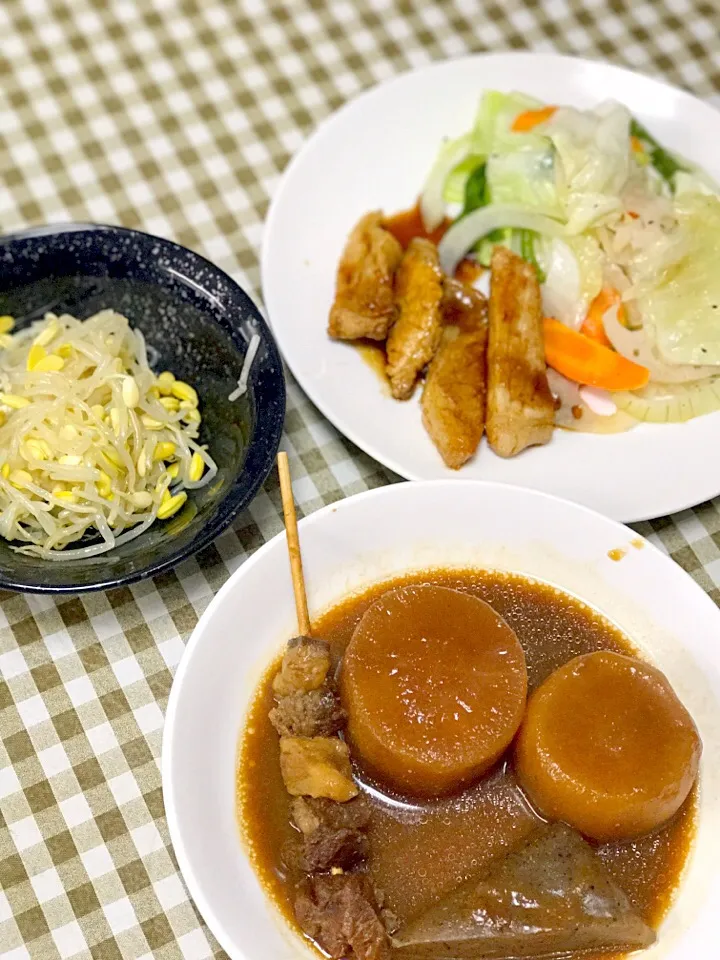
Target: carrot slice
x,y
593,323
586,361
524,122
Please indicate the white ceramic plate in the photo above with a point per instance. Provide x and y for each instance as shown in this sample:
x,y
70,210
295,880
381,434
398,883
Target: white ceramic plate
x,y
371,537
376,153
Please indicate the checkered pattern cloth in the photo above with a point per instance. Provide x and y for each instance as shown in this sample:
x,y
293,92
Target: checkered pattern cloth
x,y
178,117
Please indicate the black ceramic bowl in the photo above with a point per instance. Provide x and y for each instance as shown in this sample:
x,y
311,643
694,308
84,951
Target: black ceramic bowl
x,y
200,322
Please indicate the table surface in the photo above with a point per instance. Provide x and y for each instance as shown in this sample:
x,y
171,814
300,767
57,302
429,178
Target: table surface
x,y
178,117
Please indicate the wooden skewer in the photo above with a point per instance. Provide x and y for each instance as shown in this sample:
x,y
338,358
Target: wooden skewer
x,y
293,542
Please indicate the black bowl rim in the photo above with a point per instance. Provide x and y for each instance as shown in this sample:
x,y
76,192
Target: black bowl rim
x,y
272,420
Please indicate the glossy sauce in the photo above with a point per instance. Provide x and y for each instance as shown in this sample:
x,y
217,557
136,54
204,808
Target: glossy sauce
x,y
422,849
373,354
408,224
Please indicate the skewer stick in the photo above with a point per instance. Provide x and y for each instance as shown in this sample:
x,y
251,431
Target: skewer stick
x,y
293,542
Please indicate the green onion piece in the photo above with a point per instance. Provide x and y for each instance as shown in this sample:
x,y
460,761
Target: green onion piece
x,y
527,252
663,161
476,191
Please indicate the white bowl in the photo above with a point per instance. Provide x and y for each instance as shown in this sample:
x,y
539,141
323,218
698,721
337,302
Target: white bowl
x,y
375,153
368,538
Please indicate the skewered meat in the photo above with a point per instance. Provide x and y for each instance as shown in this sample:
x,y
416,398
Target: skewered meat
x,y
340,914
333,834
520,408
316,713
416,334
309,813
326,848
304,667
317,767
364,302
453,401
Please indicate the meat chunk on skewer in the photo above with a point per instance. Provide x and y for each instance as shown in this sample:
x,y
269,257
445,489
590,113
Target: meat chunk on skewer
x,y
416,334
317,767
364,301
520,408
332,834
304,667
327,848
453,400
316,713
309,813
340,914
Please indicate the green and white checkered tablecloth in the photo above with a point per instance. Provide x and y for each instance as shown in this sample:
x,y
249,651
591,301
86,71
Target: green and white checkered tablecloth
x,y
177,117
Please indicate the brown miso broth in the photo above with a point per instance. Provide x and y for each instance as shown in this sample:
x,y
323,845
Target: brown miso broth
x,y
422,849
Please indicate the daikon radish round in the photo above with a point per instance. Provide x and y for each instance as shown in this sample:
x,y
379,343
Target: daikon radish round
x,y
434,684
607,747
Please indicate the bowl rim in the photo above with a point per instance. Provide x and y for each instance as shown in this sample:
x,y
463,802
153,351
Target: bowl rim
x,y
273,421
170,745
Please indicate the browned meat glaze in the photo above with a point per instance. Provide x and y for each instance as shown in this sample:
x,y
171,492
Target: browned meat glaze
x,y
340,913
314,714
453,401
364,301
520,407
416,334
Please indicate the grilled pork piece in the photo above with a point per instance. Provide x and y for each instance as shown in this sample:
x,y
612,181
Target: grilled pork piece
x,y
304,667
364,302
520,408
314,714
317,767
340,914
416,334
453,401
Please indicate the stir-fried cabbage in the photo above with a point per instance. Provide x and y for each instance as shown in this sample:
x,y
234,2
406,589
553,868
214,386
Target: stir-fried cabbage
x,y
525,177
93,444
597,204
492,132
678,284
573,269
594,162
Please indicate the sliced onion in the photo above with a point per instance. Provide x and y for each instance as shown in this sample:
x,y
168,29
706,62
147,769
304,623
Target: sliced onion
x,y
432,203
671,403
464,233
637,346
